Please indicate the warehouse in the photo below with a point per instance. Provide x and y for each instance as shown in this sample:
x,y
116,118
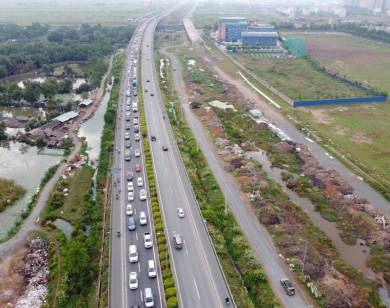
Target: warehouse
x,y
259,38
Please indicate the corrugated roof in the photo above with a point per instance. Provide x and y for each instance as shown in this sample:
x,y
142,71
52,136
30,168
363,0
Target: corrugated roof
x,y
66,116
86,102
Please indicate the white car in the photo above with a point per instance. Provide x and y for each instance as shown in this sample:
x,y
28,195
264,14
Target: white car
x,y
148,240
180,212
133,281
142,219
129,210
142,194
130,186
127,136
152,271
130,196
137,153
140,182
135,121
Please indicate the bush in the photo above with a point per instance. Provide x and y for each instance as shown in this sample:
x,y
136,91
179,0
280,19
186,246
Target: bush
x,y
155,208
161,240
165,264
156,214
159,227
170,292
153,200
163,255
172,302
162,247
157,221
253,278
167,273
169,283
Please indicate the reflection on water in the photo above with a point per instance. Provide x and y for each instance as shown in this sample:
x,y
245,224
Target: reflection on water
x,y
354,255
21,163
76,81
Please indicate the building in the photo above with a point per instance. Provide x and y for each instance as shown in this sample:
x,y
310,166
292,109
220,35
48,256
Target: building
x,y
259,38
255,113
232,29
65,117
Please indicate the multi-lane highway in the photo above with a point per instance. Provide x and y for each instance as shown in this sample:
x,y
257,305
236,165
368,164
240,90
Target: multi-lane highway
x,y
199,281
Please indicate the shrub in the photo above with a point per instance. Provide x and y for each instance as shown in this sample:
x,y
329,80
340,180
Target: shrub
x,y
251,259
165,264
154,199
253,278
159,227
167,273
162,240
172,302
155,208
163,255
157,221
169,283
156,214
170,292
162,247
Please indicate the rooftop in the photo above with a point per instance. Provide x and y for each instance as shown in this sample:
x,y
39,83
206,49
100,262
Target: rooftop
x,y
66,116
259,34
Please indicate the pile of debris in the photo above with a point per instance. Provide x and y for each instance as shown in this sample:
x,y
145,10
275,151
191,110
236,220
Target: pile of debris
x,y
77,162
34,271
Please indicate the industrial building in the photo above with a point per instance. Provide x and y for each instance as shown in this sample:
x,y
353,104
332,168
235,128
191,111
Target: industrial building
x,y
237,29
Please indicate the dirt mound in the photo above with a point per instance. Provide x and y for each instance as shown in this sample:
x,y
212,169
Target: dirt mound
x,y
284,147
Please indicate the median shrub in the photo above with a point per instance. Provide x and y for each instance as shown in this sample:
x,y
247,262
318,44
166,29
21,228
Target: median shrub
x,y
157,221
162,247
163,255
170,292
159,227
169,283
154,200
172,302
156,214
162,240
165,264
167,273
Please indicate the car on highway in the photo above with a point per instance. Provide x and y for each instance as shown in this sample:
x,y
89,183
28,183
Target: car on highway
x,y
148,240
137,168
127,126
165,148
127,136
140,182
130,196
149,299
288,286
137,153
128,118
180,212
133,254
153,138
127,108
147,80
151,94
129,210
133,281
136,138
130,186
142,195
135,115
146,90
177,241
127,144
129,175
136,129
152,271
135,121
142,219
131,224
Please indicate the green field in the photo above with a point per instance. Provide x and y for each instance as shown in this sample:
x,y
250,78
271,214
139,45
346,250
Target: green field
x,y
299,79
71,12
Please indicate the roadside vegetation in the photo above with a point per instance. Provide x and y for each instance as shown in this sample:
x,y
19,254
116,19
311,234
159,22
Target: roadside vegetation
x,y
286,221
9,193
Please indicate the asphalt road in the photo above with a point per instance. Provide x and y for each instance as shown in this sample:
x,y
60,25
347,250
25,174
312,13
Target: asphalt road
x,y
121,295
254,232
199,280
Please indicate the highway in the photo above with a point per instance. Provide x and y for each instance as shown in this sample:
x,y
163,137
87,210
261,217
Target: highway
x,y
199,281
120,294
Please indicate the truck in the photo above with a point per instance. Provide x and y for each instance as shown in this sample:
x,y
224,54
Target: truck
x,y
128,93
148,240
134,83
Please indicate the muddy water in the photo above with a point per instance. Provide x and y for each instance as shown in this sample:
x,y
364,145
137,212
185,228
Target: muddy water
x,y
21,163
353,255
64,226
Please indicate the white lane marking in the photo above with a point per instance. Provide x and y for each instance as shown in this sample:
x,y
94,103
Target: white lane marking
x,y
196,288
136,236
185,247
166,170
139,267
170,187
308,139
142,297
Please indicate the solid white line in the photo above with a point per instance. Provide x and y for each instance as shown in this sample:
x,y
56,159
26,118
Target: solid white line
x,y
196,288
166,170
308,139
139,267
170,187
136,236
185,247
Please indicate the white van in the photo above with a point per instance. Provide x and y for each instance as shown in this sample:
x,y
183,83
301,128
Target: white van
x,y
133,254
152,271
149,300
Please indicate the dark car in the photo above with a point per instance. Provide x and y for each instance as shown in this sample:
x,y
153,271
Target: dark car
x,y
165,148
127,126
288,286
131,224
129,175
151,94
153,138
127,144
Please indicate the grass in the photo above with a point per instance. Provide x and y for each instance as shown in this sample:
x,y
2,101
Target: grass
x,y
9,193
299,79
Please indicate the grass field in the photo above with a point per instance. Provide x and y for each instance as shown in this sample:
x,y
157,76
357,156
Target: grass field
x,y
299,79
71,12
356,59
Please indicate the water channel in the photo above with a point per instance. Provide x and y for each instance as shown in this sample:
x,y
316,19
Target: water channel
x,y
354,255
21,163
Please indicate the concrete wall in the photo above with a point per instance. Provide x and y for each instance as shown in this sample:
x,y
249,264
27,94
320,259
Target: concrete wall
x,y
372,99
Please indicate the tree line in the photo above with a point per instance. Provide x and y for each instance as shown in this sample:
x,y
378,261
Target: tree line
x,y
26,49
351,28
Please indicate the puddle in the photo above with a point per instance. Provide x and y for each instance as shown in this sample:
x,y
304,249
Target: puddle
x,y
354,255
64,226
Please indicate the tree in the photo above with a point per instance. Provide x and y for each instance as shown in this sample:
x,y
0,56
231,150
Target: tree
x,y
82,88
3,136
15,92
55,36
49,88
68,70
32,91
39,142
84,95
65,86
3,71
